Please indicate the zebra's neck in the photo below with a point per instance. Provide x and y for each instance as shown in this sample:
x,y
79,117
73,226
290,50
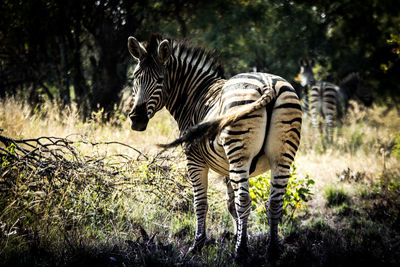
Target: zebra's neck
x,y
349,85
194,81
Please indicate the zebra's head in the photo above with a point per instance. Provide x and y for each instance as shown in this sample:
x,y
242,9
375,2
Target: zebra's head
x,y
148,79
306,72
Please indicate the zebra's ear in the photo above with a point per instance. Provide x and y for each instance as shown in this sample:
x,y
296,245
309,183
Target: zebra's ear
x,y
164,51
136,49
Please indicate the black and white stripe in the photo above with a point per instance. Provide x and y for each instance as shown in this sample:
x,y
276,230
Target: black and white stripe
x,y
324,101
306,81
239,127
330,101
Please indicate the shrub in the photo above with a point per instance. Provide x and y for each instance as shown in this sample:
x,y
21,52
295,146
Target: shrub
x,y
383,198
298,191
50,193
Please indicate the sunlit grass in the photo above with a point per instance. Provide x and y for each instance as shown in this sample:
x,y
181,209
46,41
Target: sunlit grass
x,y
19,120
354,174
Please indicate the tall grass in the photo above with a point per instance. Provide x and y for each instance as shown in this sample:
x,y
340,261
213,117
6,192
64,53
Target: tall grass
x,y
121,208
19,120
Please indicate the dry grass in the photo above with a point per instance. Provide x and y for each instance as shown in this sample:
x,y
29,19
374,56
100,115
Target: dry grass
x,y
363,143
19,120
361,154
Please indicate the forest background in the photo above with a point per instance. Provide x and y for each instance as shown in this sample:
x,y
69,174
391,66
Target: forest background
x,y
75,51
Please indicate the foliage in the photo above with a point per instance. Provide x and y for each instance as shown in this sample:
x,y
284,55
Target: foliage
x,y
322,72
352,241
394,40
75,51
74,45
396,148
298,191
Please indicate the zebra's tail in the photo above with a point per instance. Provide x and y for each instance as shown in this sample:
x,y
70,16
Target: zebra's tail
x,y
209,129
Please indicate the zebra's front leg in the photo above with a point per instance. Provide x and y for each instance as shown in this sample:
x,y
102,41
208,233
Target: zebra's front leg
x,y
230,203
198,175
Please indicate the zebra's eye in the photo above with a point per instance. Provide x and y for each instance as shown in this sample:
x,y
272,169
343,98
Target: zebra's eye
x,y
160,80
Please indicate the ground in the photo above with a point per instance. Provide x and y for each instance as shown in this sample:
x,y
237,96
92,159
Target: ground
x,y
110,205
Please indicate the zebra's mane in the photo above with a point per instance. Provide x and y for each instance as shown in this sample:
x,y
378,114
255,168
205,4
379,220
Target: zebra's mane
x,y
183,47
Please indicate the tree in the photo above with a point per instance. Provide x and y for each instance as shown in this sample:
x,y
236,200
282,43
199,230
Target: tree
x,y
76,50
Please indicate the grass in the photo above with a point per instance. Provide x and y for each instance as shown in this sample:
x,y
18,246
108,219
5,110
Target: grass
x,y
120,208
335,196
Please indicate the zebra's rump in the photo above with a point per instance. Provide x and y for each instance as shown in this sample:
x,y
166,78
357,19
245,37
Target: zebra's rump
x,y
250,134
323,98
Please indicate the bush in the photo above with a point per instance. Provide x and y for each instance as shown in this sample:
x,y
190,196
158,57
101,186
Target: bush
x,y
383,198
298,191
50,193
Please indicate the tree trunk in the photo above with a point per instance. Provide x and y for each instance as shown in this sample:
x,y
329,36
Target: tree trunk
x,y
78,80
108,75
64,92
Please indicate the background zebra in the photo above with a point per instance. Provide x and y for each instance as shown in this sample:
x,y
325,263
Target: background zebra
x,y
329,100
239,127
306,81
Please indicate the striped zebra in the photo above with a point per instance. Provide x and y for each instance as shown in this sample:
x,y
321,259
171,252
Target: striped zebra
x,y
239,127
329,100
306,81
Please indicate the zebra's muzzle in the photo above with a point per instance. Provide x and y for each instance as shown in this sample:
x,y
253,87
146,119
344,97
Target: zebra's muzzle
x,y
139,118
139,123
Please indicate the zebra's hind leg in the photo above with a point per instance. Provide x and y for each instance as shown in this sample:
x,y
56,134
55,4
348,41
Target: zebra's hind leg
x,y
279,178
230,202
239,157
315,120
239,179
329,128
282,143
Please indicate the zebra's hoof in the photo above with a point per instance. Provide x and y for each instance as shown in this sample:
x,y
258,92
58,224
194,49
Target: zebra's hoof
x,y
196,248
275,249
241,254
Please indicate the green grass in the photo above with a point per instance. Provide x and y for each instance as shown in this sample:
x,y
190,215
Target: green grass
x,y
335,196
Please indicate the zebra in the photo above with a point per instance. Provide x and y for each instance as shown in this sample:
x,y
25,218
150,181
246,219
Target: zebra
x,y
306,81
238,127
329,100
